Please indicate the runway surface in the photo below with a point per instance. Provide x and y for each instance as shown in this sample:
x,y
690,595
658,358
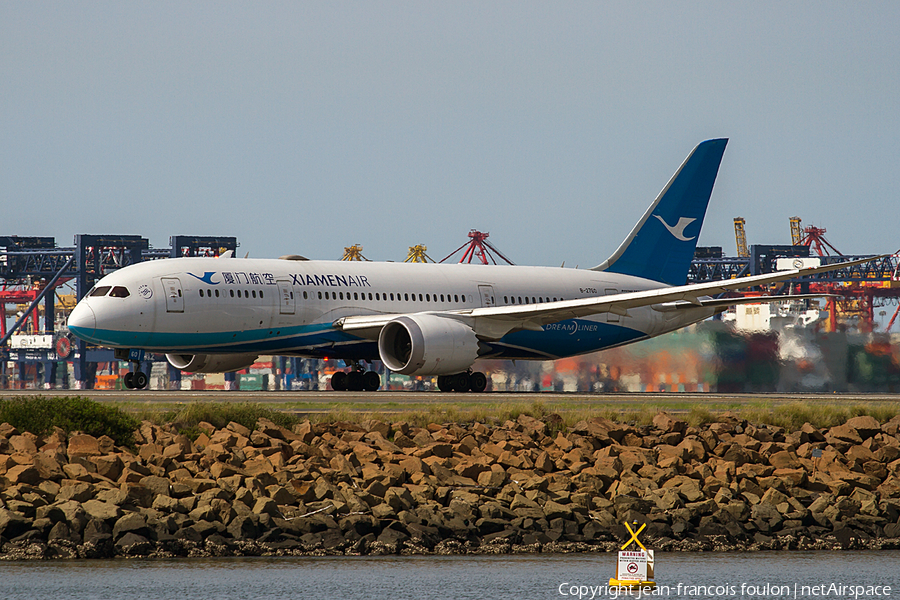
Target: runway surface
x,y
392,402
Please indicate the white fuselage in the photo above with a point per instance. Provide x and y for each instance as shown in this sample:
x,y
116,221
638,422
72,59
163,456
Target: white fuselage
x,y
286,307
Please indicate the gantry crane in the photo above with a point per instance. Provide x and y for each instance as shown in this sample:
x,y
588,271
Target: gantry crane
x,y
740,237
479,247
354,252
417,254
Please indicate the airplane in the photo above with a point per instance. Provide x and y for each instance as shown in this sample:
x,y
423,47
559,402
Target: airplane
x,y
211,315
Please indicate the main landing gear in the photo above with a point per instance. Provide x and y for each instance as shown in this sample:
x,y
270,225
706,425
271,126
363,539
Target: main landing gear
x,y
463,382
356,380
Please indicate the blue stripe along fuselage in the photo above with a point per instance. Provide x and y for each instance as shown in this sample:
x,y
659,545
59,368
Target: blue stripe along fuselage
x,y
566,338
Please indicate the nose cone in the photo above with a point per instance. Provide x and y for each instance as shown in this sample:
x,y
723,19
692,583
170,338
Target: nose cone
x,y
82,321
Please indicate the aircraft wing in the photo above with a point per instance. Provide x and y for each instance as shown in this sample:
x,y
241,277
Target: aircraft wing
x,y
496,321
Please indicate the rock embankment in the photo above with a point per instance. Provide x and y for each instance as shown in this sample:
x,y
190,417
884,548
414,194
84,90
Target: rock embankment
x,y
378,488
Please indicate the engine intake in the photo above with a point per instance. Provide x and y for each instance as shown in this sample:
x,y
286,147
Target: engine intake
x,y
427,345
211,363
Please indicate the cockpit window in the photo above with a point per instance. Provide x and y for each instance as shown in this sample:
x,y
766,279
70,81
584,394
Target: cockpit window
x,y
100,291
119,292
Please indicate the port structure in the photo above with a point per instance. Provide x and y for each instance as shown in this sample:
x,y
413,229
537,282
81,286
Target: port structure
x,y
418,254
354,252
857,292
479,248
32,268
851,294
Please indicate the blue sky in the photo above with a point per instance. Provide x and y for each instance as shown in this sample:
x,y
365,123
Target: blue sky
x,y
307,127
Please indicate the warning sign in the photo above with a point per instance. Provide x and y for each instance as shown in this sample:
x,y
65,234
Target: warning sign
x,y
635,565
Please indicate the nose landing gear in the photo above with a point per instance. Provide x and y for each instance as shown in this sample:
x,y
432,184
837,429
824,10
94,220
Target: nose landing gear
x,y
136,379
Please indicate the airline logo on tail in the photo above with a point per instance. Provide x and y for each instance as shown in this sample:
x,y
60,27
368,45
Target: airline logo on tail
x,y
677,230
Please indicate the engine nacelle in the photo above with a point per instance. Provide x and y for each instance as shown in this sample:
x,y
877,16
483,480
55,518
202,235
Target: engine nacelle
x,y
211,363
427,345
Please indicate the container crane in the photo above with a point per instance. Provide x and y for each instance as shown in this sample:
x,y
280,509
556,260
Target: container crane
x,y
478,247
740,238
418,254
354,252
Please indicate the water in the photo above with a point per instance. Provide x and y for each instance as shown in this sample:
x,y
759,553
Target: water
x,y
559,577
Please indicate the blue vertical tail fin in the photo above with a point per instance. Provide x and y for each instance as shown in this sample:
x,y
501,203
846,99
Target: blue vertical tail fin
x,y
661,245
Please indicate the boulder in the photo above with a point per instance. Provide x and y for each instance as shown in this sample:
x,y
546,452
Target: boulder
x,y
13,524
75,490
23,444
49,466
103,511
20,474
82,446
133,544
669,424
865,426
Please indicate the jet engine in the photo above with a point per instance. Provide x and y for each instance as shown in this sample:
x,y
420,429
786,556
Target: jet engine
x,y
211,363
427,345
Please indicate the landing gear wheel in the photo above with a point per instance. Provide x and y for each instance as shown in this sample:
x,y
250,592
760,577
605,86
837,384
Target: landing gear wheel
x,y
355,381
140,380
371,381
460,382
444,383
477,382
128,380
339,381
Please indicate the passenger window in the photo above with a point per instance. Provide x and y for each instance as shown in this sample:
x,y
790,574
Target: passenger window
x,y
100,291
442,297
201,293
342,295
260,294
455,298
119,292
320,295
254,293
427,297
406,297
355,295
232,293
217,293
305,297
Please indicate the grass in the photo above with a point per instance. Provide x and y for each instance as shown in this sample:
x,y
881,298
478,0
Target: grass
x,y
39,415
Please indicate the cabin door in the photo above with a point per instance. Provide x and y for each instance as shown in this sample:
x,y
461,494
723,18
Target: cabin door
x,y
286,294
174,295
487,295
